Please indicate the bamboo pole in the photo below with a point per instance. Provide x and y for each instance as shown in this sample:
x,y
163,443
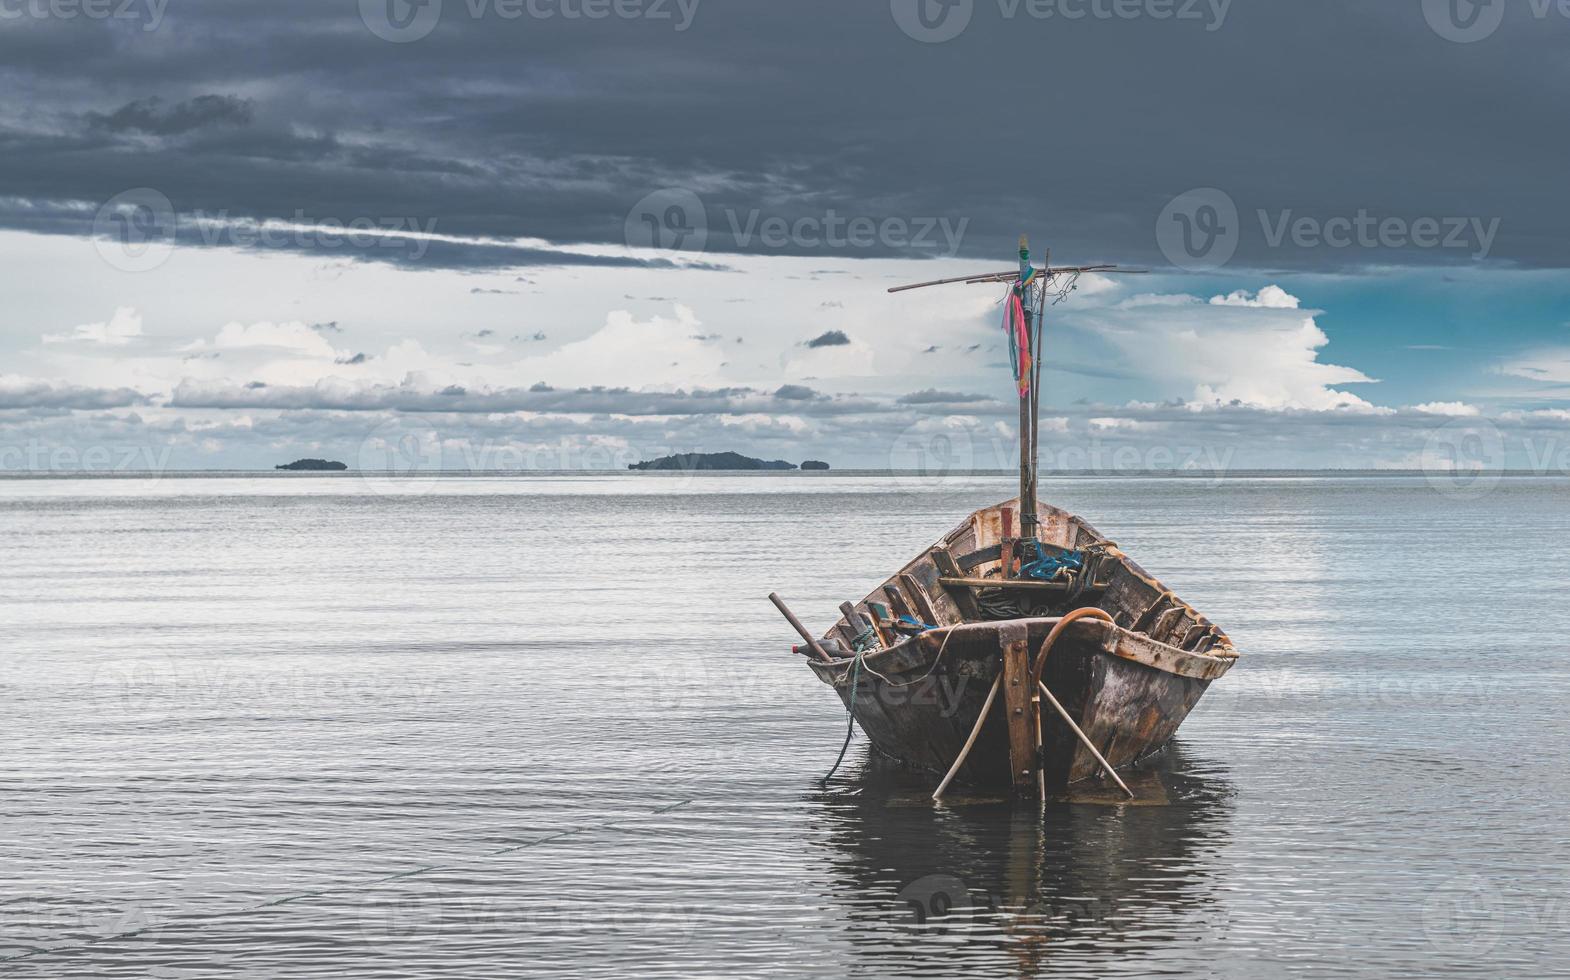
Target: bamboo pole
x,y
1010,275
1086,739
790,617
970,742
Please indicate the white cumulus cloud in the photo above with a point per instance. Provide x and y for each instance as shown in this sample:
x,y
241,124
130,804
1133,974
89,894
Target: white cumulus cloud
x,y
119,330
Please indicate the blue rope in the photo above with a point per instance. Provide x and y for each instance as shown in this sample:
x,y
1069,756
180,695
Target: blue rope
x,y
1048,566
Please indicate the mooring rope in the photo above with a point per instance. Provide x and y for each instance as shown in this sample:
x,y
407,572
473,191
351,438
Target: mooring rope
x,y
850,716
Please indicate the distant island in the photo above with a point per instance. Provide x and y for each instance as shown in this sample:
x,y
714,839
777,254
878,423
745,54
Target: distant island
x,y
313,464
710,461
814,464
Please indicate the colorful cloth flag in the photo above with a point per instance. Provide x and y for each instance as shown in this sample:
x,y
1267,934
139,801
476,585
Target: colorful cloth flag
x,y
1019,340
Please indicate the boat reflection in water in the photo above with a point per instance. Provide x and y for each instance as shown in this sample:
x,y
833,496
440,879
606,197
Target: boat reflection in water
x,y
1097,881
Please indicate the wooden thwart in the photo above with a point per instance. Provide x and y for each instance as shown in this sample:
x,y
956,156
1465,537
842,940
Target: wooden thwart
x,y
999,583
918,595
950,570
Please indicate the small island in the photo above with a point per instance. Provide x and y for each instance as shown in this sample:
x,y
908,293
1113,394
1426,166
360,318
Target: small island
x,y
710,461
319,465
814,464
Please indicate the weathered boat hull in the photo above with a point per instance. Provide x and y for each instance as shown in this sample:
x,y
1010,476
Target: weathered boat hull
x,y
1128,684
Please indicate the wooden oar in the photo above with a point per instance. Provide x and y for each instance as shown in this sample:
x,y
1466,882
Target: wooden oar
x,y
790,617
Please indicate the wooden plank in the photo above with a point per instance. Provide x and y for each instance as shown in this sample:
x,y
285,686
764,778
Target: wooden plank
x,y
924,609
993,553
901,608
1162,626
883,623
1147,618
962,594
1018,695
1013,583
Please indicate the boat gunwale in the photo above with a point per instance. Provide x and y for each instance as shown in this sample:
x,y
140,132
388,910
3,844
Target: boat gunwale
x,y
1222,650
1119,642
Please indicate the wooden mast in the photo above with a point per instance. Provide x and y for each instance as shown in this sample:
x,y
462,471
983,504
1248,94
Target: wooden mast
x,y
1027,419
1025,286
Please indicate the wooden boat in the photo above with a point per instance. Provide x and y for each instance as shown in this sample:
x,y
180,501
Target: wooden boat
x,y
1051,616
1127,681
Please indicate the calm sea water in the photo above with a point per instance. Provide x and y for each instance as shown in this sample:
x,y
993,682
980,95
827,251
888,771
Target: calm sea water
x,y
290,727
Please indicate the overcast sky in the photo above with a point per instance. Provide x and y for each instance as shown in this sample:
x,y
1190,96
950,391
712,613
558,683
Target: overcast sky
x,y
492,234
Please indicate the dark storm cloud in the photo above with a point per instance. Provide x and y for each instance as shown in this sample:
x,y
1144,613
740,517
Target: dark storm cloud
x,y
151,115
797,393
830,338
808,113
